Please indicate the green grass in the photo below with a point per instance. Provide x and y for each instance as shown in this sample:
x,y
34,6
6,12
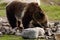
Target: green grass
x,y
53,11
2,13
13,37
2,6
10,37
57,0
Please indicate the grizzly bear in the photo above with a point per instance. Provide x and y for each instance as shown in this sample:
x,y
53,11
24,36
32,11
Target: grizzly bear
x,y
22,13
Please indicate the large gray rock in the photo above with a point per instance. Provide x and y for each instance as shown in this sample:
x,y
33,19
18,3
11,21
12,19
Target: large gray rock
x,y
32,32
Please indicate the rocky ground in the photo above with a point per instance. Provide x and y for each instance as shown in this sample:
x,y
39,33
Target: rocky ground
x,y
4,23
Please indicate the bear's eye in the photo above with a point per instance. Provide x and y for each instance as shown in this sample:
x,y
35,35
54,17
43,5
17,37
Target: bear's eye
x,y
41,14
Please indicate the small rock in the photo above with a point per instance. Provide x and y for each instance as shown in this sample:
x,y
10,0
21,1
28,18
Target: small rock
x,y
1,34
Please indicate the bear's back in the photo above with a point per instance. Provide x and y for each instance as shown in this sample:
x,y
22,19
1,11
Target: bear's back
x,y
16,8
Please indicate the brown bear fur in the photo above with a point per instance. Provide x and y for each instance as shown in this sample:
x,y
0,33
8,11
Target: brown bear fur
x,y
15,8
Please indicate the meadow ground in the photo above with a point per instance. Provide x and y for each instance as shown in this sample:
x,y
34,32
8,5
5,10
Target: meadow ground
x,y
52,11
10,37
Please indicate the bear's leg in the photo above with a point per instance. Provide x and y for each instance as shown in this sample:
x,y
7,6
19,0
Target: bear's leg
x,y
19,27
12,22
26,22
11,18
18,24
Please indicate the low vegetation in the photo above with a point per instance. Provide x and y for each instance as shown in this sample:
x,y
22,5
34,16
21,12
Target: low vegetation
x,y
53,11
10,37
2,13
